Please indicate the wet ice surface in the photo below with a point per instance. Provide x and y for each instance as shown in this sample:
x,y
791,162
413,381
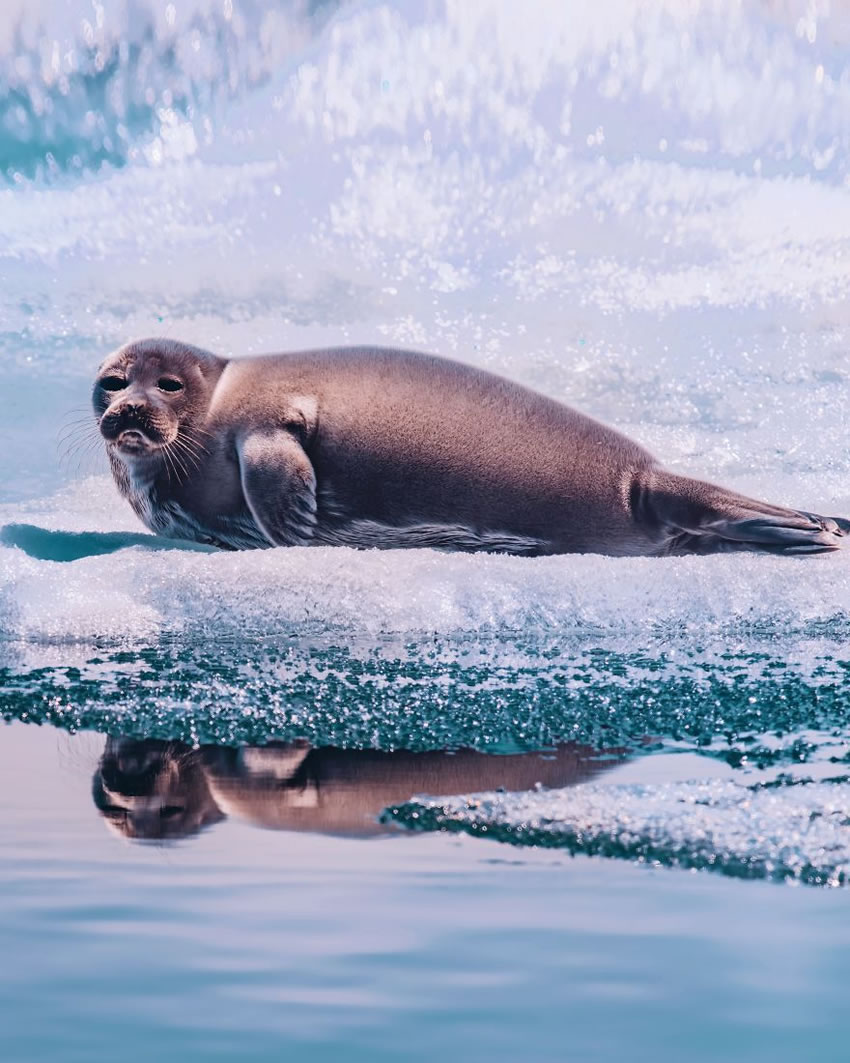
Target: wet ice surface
x,y
157,587
787,831
647,217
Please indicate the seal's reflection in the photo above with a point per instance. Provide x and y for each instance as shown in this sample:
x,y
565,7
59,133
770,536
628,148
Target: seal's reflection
x,y
148,789
153,790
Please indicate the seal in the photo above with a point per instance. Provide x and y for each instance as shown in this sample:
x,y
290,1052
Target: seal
x,y
150,789
371,447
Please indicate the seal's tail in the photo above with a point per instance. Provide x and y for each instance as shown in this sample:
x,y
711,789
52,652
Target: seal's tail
x,y
699,517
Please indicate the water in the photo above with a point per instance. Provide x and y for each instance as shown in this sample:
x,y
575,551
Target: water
x,y
391,805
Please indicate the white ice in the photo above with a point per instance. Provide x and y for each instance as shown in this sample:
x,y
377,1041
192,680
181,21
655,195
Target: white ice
x,y
640,209
794,833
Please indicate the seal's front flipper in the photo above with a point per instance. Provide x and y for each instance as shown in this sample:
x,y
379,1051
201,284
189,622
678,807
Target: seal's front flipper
x,y
702,518
279,485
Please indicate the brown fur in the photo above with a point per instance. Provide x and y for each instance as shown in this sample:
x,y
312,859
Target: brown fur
x,y
373,447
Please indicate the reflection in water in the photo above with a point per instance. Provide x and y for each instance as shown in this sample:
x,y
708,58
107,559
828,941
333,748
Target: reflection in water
x,y
153,789
149,789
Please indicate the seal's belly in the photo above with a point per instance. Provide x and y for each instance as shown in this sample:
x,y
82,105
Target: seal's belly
x,y
239,532
366,534
357,515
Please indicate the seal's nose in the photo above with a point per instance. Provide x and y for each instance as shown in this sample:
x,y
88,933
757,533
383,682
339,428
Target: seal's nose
x,y
132,413
132,407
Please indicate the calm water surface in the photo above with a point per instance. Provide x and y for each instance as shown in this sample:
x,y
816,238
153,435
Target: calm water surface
x,y
244,943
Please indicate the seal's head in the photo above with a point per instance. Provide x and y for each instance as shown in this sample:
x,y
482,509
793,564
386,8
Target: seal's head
x,y
153,791
150,392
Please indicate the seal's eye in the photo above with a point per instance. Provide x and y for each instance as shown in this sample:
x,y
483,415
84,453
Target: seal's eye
x,y
168,383
113,383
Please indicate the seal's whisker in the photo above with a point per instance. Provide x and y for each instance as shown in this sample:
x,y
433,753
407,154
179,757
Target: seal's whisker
x,y
76,442
202,431
85,450
178,462
81,412
85,422
172,468
188,462
175,471
74,439
76,421
187,436
191,454
70,442
71,439
186,440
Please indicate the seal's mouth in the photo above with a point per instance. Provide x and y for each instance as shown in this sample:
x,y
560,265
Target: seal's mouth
x,y
134,441
133,432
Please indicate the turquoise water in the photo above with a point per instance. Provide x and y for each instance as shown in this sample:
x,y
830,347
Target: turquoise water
x,y
332,804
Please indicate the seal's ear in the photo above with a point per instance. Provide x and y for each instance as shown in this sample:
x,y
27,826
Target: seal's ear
x,y
279,485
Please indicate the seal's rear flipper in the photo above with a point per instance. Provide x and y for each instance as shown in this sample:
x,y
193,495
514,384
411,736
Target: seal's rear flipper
x,y
799,533
702,518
